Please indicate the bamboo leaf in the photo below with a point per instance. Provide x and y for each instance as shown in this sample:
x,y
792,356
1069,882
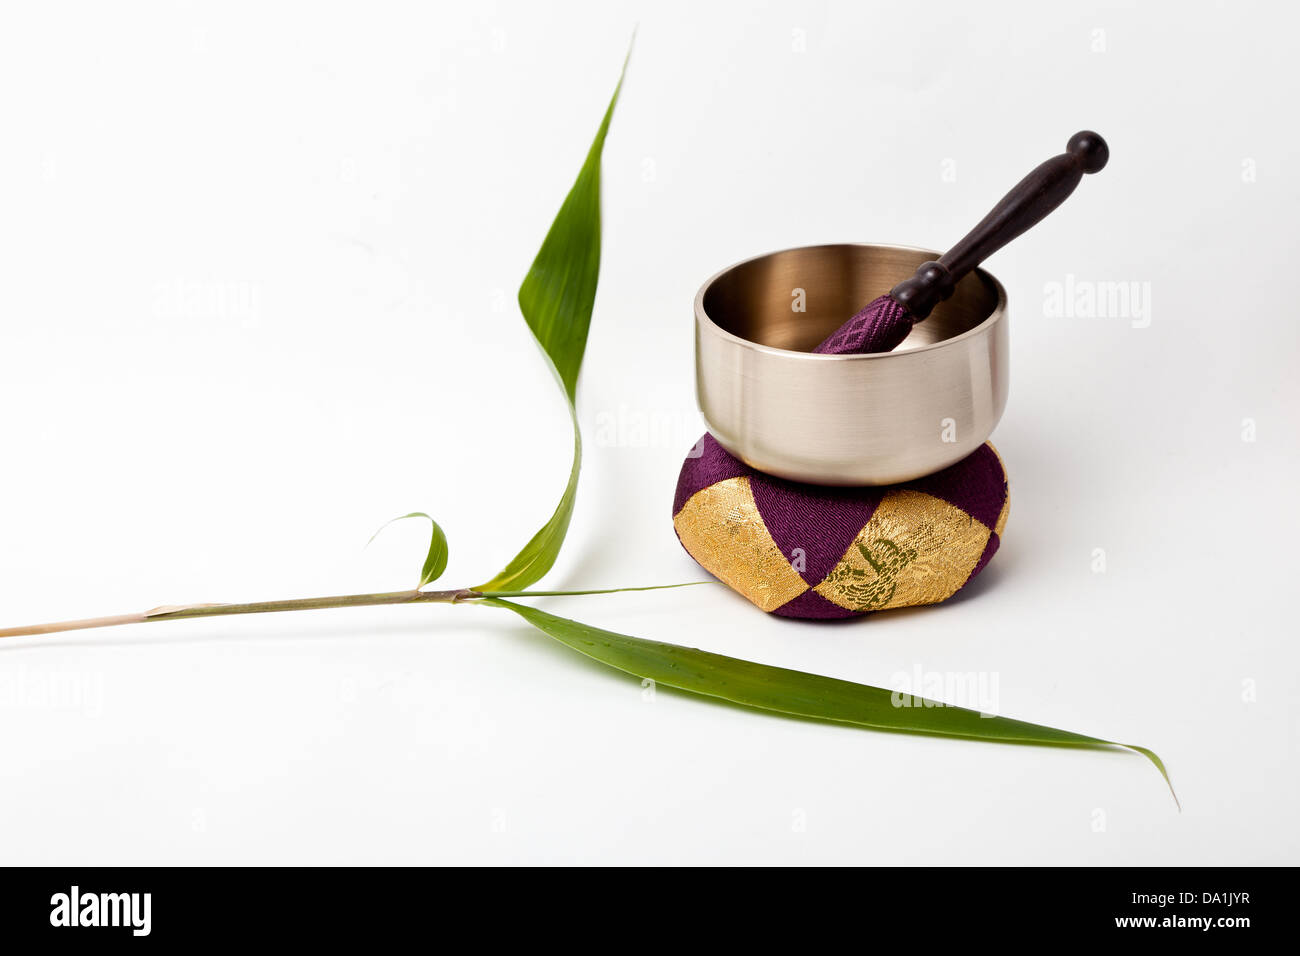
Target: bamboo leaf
x,y
435,562
648,587
798,693
559,291
556,297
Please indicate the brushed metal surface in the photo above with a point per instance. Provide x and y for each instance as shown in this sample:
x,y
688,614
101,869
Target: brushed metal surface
x,y
846,419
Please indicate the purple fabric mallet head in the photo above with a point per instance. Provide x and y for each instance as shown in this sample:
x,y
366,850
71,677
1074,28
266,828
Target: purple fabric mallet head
x,y
880,327
885,323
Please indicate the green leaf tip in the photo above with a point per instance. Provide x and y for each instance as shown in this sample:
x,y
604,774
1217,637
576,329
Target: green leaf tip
x,y
436,560
1159,765
797,693
558,294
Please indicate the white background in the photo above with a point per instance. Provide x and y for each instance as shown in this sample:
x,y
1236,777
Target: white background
x,y
257,277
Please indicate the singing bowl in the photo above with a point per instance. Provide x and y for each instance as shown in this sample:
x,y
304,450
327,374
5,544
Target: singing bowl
x,y
872,419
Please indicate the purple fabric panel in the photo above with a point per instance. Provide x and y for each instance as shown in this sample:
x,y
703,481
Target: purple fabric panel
x,y
710,467
819,520
989,549
880,327
976,485
813,606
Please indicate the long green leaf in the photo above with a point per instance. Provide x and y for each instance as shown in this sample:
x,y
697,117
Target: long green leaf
x,y
435,562
559,291
556,298
798,693
647,587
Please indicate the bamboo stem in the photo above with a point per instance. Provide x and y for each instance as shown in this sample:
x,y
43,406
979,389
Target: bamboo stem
x,y
170,613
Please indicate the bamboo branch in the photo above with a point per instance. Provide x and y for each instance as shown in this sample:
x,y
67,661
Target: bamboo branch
x,y
174,612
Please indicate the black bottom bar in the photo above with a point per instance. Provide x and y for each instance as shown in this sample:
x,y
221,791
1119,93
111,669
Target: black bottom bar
x,y
1175,907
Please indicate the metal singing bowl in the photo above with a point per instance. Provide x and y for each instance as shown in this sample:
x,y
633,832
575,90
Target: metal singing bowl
x,y
846,419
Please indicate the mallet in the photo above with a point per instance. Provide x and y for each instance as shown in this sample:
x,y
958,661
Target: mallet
x,y
885,323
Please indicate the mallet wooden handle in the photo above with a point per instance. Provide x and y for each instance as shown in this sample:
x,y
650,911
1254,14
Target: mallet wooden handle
x,y
1028,202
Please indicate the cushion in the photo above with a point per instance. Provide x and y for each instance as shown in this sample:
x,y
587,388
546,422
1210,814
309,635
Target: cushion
x,y
813,551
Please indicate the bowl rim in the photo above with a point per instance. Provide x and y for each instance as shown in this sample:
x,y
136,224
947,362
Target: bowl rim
x,y
702,317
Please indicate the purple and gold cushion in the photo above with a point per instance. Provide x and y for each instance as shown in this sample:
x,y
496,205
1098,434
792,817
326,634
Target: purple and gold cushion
x,y
803,550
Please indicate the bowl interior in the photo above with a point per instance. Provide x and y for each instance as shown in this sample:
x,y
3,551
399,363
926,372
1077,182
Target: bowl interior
x,y
756,300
